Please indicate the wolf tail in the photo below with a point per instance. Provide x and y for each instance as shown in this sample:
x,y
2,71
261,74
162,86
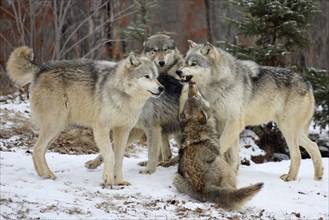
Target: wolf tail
x,y
232,198
20,67
228,198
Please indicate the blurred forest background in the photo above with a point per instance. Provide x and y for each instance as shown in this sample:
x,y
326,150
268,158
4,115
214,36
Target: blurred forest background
x,y
289,33
109,29
98,29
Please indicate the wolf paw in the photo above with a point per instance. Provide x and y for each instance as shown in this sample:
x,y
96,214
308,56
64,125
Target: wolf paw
x,y
287,178
46,174
92,164
108,180
318,174
122,183
147,171
49,176
171,162
142,164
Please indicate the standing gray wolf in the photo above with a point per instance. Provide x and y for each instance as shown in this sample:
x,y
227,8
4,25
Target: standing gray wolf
x,y
243,93
203,173
159,118
86,92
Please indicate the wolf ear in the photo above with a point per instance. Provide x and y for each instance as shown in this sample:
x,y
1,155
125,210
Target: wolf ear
x,y
207,48
202,117
173,44
133,61
144,43
192,44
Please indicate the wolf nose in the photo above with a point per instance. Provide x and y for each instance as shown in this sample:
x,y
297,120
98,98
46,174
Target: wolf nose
x,y
188,78
161,89
179,73
161,63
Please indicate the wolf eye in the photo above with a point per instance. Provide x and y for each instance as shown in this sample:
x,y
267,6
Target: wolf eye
x,y
193,64
154,51
147,76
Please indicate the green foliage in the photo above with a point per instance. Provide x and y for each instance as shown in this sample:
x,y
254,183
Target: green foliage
x,y
139,29
320,83
278,27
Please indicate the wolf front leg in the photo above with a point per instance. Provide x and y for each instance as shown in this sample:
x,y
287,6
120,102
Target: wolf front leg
x,y
154,143
102,139
232,155
229,143
120,138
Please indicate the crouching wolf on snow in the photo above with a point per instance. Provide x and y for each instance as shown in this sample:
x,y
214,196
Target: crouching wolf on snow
x,y
203,173
86,92
243,93
159,118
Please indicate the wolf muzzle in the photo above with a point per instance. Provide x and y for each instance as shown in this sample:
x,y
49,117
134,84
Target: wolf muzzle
x,y
186,78
161,89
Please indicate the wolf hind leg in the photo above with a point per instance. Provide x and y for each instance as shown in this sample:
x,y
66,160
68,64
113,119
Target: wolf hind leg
x,y
295,155
313,150
165,148
46,136
183,186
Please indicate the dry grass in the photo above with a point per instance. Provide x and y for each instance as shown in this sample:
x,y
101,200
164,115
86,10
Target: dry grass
x,y
6,87
17,130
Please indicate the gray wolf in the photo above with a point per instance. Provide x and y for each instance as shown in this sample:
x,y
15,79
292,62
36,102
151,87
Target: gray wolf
x,y
159,118
91,93
203,173
162,50
243,93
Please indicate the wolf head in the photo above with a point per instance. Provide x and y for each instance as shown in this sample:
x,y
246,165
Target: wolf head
x,y
202,62
140,76
161,49
196,108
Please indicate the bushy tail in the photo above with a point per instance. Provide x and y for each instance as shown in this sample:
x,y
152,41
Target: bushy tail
x,y
227,198
232,198
20,67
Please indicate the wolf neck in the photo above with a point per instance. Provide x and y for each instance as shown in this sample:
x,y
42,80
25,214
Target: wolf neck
x,y
194,134
126,100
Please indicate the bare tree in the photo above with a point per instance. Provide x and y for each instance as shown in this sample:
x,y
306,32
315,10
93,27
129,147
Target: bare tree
x,y
60,29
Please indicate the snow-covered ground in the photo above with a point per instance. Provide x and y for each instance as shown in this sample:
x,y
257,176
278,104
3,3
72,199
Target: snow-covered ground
x,y
77,192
